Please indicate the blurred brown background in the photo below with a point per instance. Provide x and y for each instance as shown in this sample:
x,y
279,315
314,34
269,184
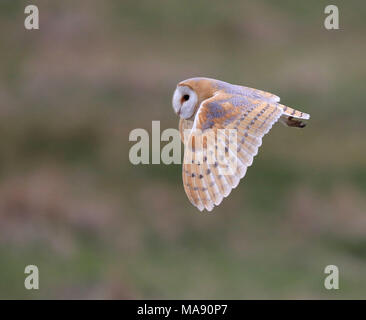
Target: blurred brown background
x,y
99,227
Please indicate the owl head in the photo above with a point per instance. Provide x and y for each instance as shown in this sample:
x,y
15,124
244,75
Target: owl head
x,y
190,93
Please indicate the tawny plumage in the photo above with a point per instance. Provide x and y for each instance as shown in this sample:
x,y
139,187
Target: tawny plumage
x,y
222,126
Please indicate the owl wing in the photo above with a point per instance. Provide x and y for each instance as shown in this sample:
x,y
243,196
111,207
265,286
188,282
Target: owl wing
x,y
266,96
213,167
184,124
259,94
247,92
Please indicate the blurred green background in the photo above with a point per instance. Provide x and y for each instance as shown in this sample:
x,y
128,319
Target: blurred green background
x,y
98,227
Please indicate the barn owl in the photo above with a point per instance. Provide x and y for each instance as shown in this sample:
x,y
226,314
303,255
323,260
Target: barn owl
x,y
208,106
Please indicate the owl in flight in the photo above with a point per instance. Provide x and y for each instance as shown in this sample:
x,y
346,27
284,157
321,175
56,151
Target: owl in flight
x,y
222,126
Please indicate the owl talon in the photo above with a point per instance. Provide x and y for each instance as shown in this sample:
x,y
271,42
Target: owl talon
x,y
291,122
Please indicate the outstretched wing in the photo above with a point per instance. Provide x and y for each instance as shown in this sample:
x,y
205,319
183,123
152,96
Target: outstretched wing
x,y
213,167
247,92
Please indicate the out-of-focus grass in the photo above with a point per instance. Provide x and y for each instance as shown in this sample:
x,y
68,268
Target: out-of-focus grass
x,y
99,227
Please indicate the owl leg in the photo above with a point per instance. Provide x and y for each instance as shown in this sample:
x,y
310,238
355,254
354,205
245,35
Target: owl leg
x,y
291,122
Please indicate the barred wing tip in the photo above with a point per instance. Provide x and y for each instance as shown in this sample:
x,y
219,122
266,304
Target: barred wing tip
x,y
306,116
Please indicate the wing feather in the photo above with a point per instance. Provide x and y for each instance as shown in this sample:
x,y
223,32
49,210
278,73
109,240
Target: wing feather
x,y
208,182
238,90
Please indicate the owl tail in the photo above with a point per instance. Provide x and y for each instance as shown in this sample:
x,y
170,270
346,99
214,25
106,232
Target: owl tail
x,y
292,118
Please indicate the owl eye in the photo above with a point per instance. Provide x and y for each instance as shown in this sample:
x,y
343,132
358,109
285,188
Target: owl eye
x,y
186,97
